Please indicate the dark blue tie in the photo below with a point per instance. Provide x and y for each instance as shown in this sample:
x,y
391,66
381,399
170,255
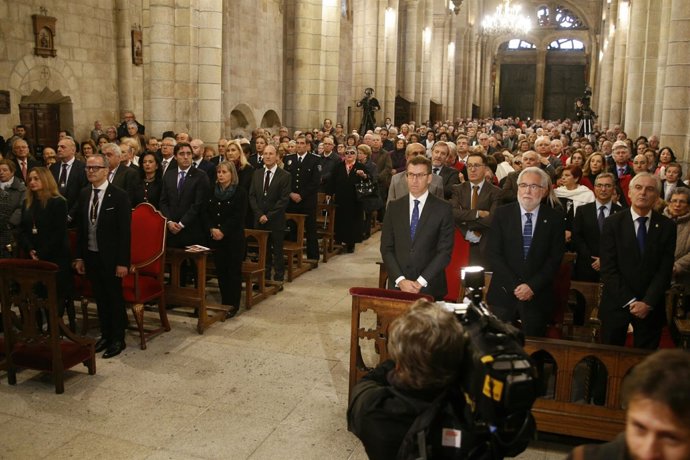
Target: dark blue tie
x,y
601,217
641,233
415,219
527,235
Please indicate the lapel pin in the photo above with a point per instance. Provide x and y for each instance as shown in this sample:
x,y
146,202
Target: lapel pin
x,y
656,225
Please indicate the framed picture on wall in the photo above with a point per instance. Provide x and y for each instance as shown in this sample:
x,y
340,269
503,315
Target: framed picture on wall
x,y
137,47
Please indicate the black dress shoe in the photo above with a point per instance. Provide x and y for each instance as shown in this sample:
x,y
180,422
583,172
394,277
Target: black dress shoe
x,y
232,311
101,344
114,349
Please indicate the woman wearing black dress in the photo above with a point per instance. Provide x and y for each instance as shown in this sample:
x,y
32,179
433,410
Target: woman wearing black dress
x,y
150,173
225,215
43,232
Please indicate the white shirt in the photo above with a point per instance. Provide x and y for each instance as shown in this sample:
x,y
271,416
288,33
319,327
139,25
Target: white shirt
x,y
535,213
273,174
422,202
67,171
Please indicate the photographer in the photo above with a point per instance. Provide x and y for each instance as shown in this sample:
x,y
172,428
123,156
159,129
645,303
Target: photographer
x,y
427,346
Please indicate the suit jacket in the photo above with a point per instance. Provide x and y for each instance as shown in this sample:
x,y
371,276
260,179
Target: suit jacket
x,y
384,166
665,195
510,187
128,180
210,170
398,187
430,251
113,227
626,274
75,182
450,178
186,206
586,240
30,163
510,269
274,203
255,161
306,178
466,218
172,164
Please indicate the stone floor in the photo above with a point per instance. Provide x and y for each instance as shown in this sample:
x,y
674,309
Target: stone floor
x,y
269,384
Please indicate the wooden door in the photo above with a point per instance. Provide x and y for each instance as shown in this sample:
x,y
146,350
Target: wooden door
x,y
517,90
42,123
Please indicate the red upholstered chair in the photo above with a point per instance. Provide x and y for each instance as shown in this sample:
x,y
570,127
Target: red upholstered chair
x,y
144,283
28,294
459,259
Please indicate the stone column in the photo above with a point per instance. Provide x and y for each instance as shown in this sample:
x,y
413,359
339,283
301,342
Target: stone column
x,y
438,53
651,56
471,90
664,22
330,45
460,62
606,74
618,75
412,38
390,8
675,121
124,58
425,71
486,74
210,59
539,84
160,67
451,57
635,65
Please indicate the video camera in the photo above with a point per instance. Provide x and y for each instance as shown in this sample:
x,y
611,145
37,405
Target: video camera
x,y
498,379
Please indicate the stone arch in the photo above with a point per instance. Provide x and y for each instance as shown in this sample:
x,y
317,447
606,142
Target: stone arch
x,y
270,119
241,120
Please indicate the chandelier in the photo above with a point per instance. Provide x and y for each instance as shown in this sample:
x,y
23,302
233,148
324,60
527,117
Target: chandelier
x,y
506,20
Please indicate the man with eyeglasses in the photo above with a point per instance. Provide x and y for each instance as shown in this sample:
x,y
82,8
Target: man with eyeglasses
x,y
678,210
329,161
167,157
526,245
637,255
587,227
474,204
398,187
417,235
450,176
529,159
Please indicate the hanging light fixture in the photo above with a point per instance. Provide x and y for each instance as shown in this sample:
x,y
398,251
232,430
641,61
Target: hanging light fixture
x,y
506,20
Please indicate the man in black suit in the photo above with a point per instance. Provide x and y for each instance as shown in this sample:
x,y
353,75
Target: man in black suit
x,y
417,236
69,174
168,154
450,176
474,205
184,195
305,169
526,245
268,197
637,254
200,163
587,227
103,216
22,160
128,117
120,175
257,159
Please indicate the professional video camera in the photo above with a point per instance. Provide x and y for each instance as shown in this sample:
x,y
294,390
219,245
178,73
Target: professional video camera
x,y
497,379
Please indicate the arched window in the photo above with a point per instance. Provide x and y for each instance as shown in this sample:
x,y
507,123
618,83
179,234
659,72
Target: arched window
x,y
543,16
517,44
566,44
566,19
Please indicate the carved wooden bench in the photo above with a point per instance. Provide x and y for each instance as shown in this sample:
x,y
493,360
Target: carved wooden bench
x,y
294,250
254,268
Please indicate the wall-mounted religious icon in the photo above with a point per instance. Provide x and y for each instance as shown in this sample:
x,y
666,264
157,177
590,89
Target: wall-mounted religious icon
x,y
44,32
137,47
4,101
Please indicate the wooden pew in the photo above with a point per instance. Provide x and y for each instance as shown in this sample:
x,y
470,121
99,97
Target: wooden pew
x,y
294,250
254,268
325,228
191,296
557,414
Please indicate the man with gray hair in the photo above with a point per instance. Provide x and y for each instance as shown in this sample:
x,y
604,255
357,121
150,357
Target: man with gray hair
x,y
526,245
120,175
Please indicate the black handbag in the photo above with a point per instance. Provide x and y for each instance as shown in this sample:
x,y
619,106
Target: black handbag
x,y
365,188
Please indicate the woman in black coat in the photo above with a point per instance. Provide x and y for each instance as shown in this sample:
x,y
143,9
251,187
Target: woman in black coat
x,y
245,172
349,214
43,232
225,215
152,183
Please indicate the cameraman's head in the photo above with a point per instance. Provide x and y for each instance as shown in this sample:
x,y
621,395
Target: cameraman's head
x,y
427,345
657,402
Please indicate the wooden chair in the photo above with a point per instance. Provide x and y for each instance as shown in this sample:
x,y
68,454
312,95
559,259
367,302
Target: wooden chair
x,y
83,292
254,268
145,283
387,305
325,225
294,249
28,292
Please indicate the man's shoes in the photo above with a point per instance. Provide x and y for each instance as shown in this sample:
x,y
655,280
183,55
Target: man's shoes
x,y
101,344
114,349
232,311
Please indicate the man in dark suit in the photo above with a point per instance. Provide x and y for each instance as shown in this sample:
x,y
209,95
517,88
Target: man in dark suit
x,y
22,160
526,245
268,197
168,154
103,216
637,254
184,195
120,175
305,169
439,155
200,163
257,159
622,170
587,226
417,236
474,205
69,174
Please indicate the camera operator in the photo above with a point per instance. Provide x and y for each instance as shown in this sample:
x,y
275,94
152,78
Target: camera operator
x,y
426,345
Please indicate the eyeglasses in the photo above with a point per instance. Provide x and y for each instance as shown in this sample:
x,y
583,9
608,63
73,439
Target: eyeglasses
x,y
603,185
474,165
94,168
677,201
517,162
531,187
417,176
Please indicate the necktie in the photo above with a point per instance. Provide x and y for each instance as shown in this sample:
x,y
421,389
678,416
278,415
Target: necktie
x,y
621,171
63,175
180,182
641,233
436,170
94,207
527,235
267,181
164,163
475,196
24,169
299,159
415,219
601,217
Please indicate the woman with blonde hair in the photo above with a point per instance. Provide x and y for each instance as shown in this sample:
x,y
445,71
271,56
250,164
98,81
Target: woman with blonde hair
x,y
245,171
43,232
130,149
